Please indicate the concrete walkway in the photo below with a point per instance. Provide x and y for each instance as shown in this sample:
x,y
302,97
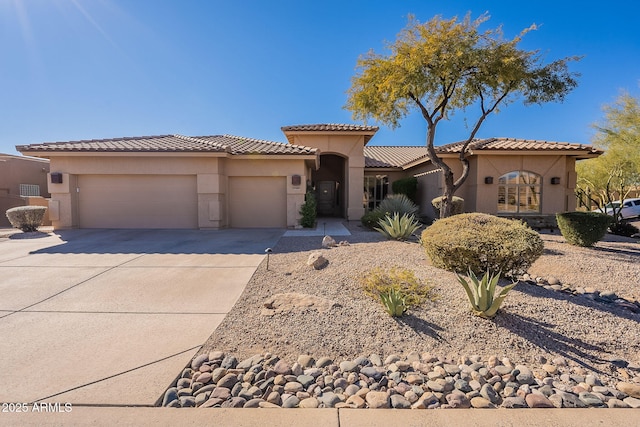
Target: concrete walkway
x,y
324,227
110,317
327,417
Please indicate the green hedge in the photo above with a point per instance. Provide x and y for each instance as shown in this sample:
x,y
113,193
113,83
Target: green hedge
x,y
407,186
482,243
308,211
583,228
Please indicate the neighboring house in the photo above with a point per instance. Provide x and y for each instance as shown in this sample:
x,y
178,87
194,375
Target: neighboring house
x,y
23,181
174,181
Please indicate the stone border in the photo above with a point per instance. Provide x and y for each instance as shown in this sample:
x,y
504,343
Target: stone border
x,y
605,297
419,381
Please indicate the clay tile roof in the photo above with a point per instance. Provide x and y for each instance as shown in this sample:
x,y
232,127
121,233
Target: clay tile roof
x,y
513,144
391,157
172,143
159,143
241,145
331,127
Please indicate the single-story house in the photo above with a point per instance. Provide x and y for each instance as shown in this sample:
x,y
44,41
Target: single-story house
x,y
175,181
23,181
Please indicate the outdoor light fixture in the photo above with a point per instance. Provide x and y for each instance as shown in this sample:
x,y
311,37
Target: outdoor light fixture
x,y
296,180
268,251
56,178
488,180
555,180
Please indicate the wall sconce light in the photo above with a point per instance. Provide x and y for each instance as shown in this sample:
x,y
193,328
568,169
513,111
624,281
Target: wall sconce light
x,y
555,180
488,180
56,178
296,180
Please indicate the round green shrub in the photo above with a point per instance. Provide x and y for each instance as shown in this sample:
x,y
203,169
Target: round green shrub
x,y
583,228
482,243
624,229
457,208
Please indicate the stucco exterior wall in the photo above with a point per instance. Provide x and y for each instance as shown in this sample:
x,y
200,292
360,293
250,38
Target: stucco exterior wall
x,y
481,197
351,147
16,170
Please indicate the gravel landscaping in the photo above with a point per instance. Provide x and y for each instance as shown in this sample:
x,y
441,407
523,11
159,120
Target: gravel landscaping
x,y
569,329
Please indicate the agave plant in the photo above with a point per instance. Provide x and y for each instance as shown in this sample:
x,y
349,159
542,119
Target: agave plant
x,y
394,302
398,227
398,203
481,293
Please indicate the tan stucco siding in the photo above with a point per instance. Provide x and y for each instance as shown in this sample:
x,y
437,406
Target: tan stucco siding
x,y
554,198
134,164
256,202
351,147
137,201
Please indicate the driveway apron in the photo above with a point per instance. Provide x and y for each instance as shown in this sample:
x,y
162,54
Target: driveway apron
x,y
110,317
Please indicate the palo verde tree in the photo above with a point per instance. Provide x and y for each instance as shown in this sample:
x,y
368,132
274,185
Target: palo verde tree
x,y
442,66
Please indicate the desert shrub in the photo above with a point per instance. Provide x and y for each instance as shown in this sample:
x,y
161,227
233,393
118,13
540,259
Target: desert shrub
x,y
583,228
308,211
394,302
623,229
379,282
458,205
26,218
482,293
398,227
372,218
481,243
398,203
407,186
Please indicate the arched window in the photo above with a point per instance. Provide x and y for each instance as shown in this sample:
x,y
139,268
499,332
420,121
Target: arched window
x,y
519,192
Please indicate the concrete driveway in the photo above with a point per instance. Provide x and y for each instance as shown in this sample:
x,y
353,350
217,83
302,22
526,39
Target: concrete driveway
x,y
110,317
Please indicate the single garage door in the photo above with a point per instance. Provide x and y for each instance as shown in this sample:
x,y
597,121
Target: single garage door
x,y
257,202
138,201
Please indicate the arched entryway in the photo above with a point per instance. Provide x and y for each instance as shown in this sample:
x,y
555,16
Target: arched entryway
x,y
330,185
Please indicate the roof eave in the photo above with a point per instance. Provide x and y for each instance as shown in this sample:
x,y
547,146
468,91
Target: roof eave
x,y
47,154
291,134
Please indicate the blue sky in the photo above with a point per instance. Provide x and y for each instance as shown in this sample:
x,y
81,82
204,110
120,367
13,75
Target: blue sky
x,y
89,69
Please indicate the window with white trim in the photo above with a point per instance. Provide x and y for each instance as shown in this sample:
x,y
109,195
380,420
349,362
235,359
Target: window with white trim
x,y
519,192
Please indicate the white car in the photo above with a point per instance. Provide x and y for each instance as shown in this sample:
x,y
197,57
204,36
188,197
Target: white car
x,y
630,208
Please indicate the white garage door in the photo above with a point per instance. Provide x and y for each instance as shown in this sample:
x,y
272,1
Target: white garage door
x,y
138,201
258,202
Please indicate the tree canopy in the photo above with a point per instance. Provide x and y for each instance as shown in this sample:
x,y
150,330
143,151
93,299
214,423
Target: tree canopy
x,y
619,135
443,66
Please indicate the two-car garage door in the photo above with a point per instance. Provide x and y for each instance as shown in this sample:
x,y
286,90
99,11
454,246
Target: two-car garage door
x,y
171,201
138,201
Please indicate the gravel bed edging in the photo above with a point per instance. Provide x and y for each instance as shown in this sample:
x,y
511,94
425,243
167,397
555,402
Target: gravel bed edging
x,y
419,381
422,380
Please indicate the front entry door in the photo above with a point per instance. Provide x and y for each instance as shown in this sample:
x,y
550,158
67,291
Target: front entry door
x,y
326,198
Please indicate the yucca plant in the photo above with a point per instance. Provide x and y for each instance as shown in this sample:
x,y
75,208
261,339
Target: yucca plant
x,y
394,302
398,203
398,227
481,293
